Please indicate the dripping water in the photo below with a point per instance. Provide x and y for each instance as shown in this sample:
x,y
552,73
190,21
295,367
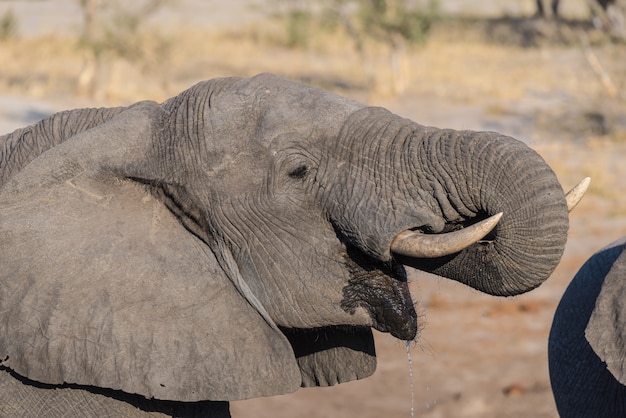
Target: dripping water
x,y
408,355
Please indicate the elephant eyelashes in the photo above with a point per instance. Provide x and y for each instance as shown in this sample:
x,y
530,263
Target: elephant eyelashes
x,y
299,172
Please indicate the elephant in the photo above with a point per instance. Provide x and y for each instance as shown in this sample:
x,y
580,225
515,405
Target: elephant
x,y
243,239
586,349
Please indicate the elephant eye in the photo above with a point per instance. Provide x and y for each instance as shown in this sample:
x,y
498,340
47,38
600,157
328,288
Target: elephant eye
x,y
299,172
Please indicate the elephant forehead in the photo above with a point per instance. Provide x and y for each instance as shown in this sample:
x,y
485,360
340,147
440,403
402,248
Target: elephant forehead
x,y
292,98
270,107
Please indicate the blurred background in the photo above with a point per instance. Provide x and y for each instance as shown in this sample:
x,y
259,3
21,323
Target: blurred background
x,y
555,79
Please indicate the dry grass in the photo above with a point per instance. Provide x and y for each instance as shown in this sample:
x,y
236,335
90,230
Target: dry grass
x,y
458,63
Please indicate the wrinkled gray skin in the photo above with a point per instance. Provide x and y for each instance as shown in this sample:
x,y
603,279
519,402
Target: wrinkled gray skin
x,y
587,349
234,242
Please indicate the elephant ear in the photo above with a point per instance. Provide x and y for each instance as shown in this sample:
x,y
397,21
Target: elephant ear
x,y
101,285
606,329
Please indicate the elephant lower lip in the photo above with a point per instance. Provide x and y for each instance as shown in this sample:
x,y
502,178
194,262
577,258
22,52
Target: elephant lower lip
x,y
383,291
406,331
399,318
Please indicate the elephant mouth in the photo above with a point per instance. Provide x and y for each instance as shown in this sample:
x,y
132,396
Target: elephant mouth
x,y
382,290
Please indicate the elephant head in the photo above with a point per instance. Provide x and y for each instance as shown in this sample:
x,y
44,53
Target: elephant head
x,y
587,350
242,238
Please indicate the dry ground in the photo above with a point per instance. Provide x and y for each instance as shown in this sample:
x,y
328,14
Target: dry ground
x,y
477,356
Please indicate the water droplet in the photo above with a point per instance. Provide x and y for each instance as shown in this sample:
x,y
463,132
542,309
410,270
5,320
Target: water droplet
x,y
408,355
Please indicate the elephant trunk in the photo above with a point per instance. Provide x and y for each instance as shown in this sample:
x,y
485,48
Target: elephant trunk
x,y
479,174
405,176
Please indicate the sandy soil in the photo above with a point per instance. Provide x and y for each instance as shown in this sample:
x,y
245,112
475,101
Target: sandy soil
x,y
477,356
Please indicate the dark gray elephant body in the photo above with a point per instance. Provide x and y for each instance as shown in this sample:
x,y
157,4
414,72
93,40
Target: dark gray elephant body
x,y
587,353
234,241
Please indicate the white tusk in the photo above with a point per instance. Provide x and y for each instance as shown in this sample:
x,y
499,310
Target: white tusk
x,y
415,244
573,196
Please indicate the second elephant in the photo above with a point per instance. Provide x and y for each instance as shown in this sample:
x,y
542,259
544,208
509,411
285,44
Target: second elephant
x,y
587,345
